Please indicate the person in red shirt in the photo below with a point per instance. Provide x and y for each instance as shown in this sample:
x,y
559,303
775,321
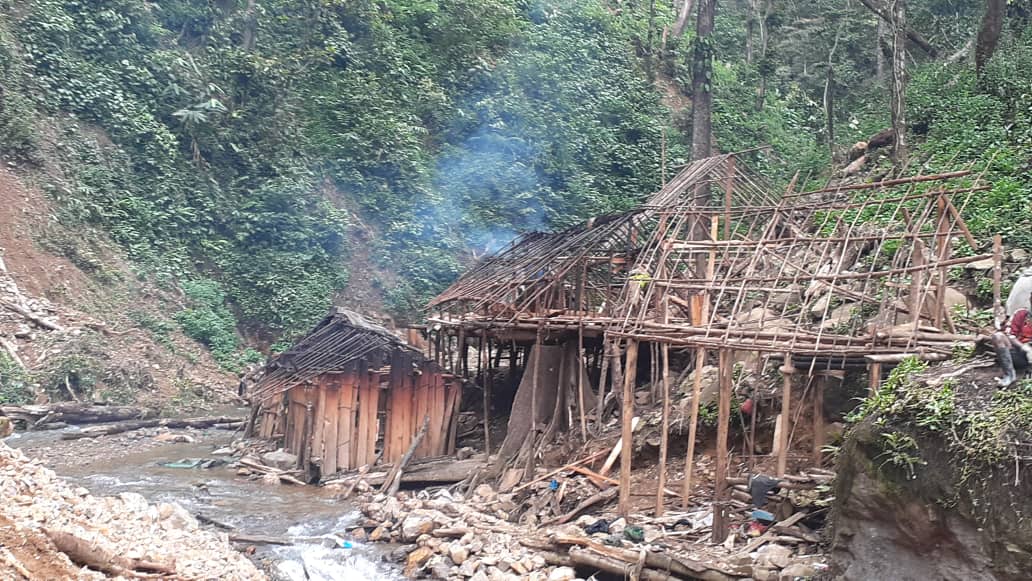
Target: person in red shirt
x,y
1014,348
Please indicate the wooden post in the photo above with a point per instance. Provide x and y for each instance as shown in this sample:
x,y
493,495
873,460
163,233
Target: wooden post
x,y
729,185
664,435
998,313
463,361
600,402
626,414
723,423
693,426
917,284
941,248
580,370
787,371
487,394
529,470
818,418
874,378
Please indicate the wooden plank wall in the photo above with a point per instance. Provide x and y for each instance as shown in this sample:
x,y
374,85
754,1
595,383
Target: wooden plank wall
x,y
345,424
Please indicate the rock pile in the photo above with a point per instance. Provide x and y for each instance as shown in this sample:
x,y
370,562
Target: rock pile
x,y
51,530
446,536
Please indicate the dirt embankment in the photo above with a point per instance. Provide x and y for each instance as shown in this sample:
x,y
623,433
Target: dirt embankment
x,y
79,323
50,530
936,483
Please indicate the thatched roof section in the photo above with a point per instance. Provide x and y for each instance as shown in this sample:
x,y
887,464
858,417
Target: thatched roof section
x,y
342,338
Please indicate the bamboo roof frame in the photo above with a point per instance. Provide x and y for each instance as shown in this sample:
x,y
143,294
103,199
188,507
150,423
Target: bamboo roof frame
x,y
810,246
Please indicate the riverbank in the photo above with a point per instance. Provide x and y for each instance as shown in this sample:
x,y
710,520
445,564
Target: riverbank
x,y
52,530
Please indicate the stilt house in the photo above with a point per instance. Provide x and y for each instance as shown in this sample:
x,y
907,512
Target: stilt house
x,y
351,390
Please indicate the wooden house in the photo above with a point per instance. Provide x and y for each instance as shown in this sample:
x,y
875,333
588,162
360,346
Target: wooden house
x,y
351,391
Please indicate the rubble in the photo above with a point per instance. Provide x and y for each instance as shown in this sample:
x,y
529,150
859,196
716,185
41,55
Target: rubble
x,y
446,535
56,531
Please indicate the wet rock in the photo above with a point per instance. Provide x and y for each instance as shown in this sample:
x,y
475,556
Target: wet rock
x,y
416,559
280,459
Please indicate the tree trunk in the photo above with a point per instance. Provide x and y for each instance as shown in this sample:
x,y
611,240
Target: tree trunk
x,y
702,84
914,36
250,27
682,17
989,33
829,98
899,81
765,67
879,51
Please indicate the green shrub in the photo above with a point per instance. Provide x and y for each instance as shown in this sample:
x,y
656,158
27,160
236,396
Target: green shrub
x,y
15,388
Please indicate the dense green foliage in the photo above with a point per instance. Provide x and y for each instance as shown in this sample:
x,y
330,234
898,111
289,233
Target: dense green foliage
x,y
245,142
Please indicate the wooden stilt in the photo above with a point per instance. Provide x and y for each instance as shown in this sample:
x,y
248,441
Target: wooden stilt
x,y
487,394
528,472
601,401
693,426
723,423
664,436
818,418
787,372
579,369
626,415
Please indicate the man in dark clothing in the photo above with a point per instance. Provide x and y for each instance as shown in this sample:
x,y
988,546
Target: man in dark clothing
x,y
1014,347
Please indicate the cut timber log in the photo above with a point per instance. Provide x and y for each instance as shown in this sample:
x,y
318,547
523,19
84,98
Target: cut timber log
x,y
75,413
682,567
259,540
226,422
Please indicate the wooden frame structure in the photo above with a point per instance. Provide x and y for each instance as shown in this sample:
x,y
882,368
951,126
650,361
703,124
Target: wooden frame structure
x,y
350,392
820,280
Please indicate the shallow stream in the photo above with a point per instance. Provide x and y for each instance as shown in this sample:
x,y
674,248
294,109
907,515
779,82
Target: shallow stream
x,y
307,515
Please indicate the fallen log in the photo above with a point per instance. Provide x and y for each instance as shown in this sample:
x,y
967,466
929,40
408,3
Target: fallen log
x,y
259,540
393,481
609,564
226,422
75,413
89,553
33,317
682,567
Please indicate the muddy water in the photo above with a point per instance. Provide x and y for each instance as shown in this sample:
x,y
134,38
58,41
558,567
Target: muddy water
x,y
307,515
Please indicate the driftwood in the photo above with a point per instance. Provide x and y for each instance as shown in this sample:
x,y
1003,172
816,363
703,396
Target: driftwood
x,y
90,554
259,540
225,422
603,496
393,481
361,473
769,535
283,475
74,413
210,521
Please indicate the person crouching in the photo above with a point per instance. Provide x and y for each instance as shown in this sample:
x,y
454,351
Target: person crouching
x,y
1013,348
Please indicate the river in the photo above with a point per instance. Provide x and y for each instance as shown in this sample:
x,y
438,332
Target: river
x,y
308,515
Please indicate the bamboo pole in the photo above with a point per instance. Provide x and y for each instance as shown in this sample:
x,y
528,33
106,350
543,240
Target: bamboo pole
x,y
529,471
787,371
719,531
998,313
487,378
818,419
626,414
580,371
664,435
